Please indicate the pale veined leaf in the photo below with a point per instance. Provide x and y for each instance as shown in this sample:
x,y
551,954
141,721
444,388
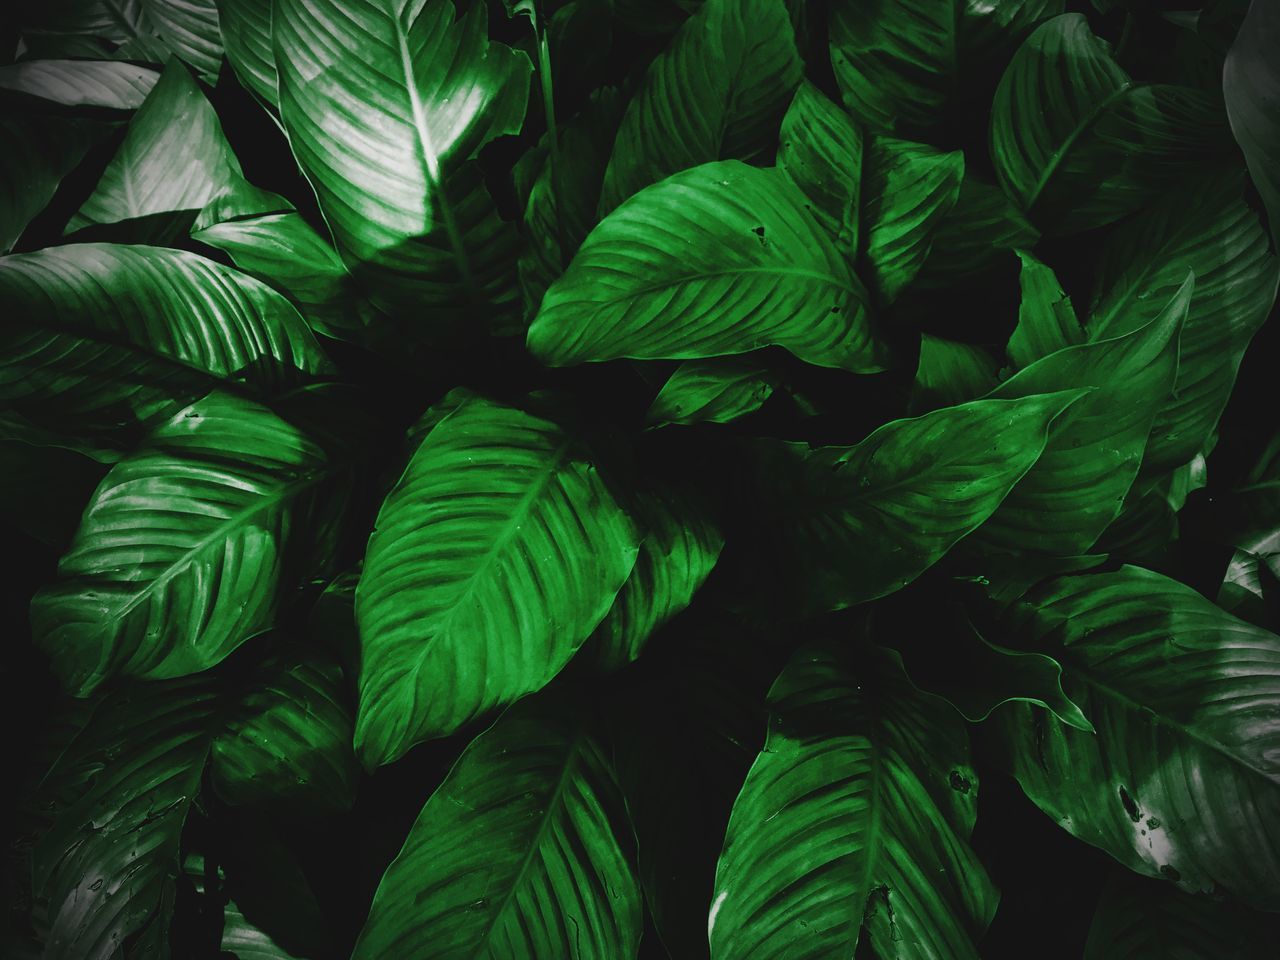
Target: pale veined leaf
x,y
1181,779
718,92
81,83
1047,321
854,821
190,29
493,558
721,259
821,151
523,851
712,391
1251,85
246,35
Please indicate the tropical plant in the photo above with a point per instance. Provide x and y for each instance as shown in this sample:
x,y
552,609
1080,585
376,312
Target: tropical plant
x,y
612,478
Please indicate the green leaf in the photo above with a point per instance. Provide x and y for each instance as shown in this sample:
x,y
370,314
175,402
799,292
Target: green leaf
x,y
1143,263
41,151
950,373
973,236
287,743
246,35
718,92
856,523
384,105
720,259
1047,321
81,83
100,337
494,557
1182,779
855,817
680,547
1251,86
1077,144
1076,488
712,391
190,29
821,151
174,160
909,189
902,65
181,550
107,866
523,851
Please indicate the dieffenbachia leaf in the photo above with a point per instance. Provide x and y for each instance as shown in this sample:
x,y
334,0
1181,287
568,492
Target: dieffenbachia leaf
x,y
107,84
1182,778
1078,484
718,92
190,29
981,228
1222,241
287,742
494,557
1251,86
246,35
523,851
854,821
1077,144
1047,321
174,160
101,337
678,551
949,373
908,191
179,556
40,151
1140,919
721,259
903,65
385,104
712,391
856,523
821,151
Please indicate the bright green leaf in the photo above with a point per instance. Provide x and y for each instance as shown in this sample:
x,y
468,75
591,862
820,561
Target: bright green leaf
x,y
246,34
821,151
949,373
712,391
1047,321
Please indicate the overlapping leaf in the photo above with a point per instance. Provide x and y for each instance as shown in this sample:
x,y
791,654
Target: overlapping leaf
x,y
108,84
190,29
720,259
1047,321
492,560
820,149
1181,779
523,851
853,822
1251,85
981,228
712,391
41,151
949,372
246,35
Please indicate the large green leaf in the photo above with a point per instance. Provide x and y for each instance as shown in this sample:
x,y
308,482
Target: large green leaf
x,y
81,83
902,65
718,92
852,524
1076,488
720,259
712,391
1047,321
523,851
1221,240
1182,778
853,821
494,557
1251,85
287,744
821,151
246,35
384,104
190,29
1077,144
179,556
40,152
949,373
99,337
974,235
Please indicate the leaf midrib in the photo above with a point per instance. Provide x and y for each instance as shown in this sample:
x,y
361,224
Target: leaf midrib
x,y
1061,151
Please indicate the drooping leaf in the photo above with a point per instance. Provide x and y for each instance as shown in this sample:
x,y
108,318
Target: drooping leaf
x,y
909,189
179,556
820,149
1221,240
712,391
1047,321
853,821
246,35
190,29
1181,779
982,227
856,523
1077,144
287,742
81,83
1076,488
721,259
718,92
522,851
174,160
385,104
902,66
949,373
40,151
494,557
1251,86
101,337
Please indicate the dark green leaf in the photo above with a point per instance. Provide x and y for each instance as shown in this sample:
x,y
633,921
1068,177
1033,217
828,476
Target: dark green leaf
x,y
974,235
40,151
246,34
821,151
949,373
712,391
1047,321
1251,85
